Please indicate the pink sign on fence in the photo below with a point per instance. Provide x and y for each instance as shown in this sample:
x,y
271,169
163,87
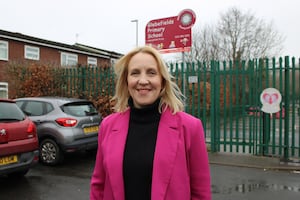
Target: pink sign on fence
x,y
171,34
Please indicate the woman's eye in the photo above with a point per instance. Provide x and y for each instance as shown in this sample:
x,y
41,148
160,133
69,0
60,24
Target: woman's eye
x,y
152,72
133,72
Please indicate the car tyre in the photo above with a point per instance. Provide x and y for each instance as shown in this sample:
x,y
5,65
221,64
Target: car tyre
x,y
50,153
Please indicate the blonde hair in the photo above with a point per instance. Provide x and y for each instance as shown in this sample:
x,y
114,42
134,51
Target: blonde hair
x,y
171,95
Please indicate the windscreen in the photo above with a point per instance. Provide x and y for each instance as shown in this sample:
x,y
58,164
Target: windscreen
x,y
80,109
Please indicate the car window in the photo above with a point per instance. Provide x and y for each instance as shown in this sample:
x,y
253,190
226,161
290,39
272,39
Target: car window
x,y
19,103
80,109
36,108
33,108
49,107
10,111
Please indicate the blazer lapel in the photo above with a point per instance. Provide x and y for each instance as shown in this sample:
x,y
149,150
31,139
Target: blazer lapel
x,y
116,143
165,154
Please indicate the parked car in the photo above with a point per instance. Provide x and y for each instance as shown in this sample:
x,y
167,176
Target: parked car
x,y
18,140
256,112
63,125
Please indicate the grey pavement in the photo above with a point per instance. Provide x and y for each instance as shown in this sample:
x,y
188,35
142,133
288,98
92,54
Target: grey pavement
x,y
253,161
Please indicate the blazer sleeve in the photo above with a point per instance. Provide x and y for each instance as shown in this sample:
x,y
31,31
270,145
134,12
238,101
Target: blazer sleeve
x,y
198,162
98,176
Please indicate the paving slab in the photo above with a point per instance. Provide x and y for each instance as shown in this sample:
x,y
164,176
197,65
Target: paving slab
x,y
253,161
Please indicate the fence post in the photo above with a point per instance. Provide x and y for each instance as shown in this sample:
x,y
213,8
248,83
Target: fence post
x,y
286,107
266,116
212,107
266,133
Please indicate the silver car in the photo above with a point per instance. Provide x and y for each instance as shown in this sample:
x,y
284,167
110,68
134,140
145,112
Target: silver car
x,y
63,125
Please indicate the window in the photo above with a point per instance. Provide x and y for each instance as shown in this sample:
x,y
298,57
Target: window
x,y
3,90
32,53
68,59
80,109
35,108
113,61
92,62
3,50
10,112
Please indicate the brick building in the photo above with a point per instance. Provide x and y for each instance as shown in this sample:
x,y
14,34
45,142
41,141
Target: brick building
x,y
19,47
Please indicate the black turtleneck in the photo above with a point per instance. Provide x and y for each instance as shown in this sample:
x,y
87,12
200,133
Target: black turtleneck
x,y
139,151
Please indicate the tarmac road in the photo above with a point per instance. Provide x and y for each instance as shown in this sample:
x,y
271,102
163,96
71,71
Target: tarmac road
x,y
242,183
70,181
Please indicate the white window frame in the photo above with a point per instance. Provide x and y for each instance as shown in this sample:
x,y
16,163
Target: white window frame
x,y
68,59
3,50
92,61
31,52
113,61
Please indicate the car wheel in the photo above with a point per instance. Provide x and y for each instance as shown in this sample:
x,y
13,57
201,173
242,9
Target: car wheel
x,y
50,153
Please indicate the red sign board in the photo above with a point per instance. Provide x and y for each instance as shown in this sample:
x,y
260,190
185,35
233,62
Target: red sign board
x,y
172,34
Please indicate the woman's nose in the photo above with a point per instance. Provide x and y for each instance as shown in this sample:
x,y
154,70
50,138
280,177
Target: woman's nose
x,y
143,80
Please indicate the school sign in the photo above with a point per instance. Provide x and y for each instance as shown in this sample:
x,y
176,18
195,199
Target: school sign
x,y
171,34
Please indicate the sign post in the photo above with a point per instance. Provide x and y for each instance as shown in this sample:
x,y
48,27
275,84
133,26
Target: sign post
x,y
270,99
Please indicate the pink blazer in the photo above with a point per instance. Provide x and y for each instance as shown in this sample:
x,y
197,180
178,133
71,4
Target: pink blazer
x,y
180,167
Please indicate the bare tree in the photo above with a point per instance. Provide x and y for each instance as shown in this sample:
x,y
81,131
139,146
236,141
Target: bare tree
x,y
205,45
237,36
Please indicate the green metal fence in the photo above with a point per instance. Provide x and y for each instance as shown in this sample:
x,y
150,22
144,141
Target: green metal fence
x,y
87,82
225,96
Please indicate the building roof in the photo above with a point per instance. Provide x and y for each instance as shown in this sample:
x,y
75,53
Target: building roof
x,y
76,48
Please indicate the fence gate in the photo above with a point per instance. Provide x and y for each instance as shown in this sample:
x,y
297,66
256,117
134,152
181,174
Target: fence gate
x,y
237,122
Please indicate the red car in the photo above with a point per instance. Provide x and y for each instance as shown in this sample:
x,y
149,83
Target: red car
x,y
18,140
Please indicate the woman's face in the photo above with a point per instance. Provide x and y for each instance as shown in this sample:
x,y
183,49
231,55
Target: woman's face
x,y
144,79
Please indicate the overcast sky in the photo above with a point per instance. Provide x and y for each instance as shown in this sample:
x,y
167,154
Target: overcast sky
x,y
106,24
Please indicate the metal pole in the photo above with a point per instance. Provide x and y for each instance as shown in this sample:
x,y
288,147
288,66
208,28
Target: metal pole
x,y
286,107
137,32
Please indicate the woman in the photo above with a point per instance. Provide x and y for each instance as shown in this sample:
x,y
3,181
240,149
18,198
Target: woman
x,y
149,148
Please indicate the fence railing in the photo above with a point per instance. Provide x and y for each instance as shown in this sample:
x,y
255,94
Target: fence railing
x,y
226,96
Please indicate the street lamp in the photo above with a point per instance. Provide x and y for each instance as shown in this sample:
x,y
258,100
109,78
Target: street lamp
x,y
137,31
